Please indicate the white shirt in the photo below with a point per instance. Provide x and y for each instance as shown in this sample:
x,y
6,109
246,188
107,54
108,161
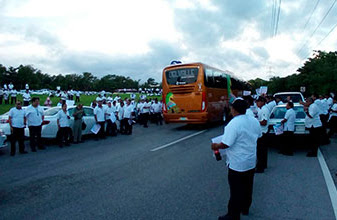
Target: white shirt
x,y
17,117
63,119
59,104
156,107
271,105
249,112
140,107
14,93
109,111
34,115
334,108
241,136
263,114
330,102
26,97
325,106
315,121
100,113
319,106
280,103
146,107
127,111
289,125
120,111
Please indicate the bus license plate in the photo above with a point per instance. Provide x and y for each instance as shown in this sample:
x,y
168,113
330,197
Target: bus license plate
x,y
183,118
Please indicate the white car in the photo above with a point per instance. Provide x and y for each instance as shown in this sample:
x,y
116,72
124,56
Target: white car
x,y
296,97
3,139
278,114
49,125
4,121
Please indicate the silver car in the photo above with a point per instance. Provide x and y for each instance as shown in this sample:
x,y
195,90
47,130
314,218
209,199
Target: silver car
x,y
278,114
3,139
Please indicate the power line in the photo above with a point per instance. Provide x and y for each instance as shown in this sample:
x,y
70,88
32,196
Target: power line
x,y
272,19
278,17
314,9
312,34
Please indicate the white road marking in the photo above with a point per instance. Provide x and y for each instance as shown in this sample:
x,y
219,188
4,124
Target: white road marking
x,y
329,181
177,141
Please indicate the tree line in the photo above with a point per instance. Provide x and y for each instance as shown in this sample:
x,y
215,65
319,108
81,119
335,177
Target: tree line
x,y
86,81
317,75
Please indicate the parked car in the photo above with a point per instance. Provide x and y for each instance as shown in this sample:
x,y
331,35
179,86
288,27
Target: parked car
x,y
49,125
3,139
278,114
296,97
4,121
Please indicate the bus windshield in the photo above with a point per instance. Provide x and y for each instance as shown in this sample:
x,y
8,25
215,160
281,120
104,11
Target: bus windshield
x,y
182,76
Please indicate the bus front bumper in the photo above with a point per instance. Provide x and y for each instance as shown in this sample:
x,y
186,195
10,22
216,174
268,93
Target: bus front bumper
x,y
189,118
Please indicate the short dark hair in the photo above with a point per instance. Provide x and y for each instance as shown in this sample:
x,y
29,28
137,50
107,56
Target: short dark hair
x,y
35,98
240,106
63,104
261,99
291,104
249,100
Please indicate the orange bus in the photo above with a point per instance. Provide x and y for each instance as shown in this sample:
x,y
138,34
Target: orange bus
x,y
196,93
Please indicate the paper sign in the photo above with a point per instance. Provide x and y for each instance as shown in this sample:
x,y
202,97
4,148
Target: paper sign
x,y
263,89
218,140
278,129
95,129
70,102
113,118
257,91
247,93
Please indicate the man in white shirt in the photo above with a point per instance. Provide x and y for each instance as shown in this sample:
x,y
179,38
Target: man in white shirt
x,y
99,113
63,123
324,116
110,117
333,118
26,98
77,96
156,107
1,95
6,96
120,115
127,118
13,96
271,103
140,111
314,124
288,130
262,150
239,140
35,116
146,112
17,122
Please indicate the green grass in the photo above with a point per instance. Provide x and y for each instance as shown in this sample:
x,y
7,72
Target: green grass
x,y
85,100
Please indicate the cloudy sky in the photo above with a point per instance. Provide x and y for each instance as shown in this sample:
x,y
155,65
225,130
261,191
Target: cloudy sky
x,y
139,38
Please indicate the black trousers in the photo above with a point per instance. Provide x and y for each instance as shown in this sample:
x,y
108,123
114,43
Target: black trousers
x,y
324,136
287,142
262,153
101,133
332,126
77,99
111,128
314,138
64,134
25,103
18,135
158,119
145,117
35,137
1,98
127,126
241,192
6,101
13,100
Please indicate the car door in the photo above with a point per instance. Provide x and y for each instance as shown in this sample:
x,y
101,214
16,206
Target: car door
x,y
89,119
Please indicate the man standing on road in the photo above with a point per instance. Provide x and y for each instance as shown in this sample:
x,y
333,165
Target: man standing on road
x,y
288,130
156,107
35,116
99,113
111,128
26,98
333,118
78,120
146,112
262,150
127,118
63,124
314,124
1,95
239,140
13,96
17,122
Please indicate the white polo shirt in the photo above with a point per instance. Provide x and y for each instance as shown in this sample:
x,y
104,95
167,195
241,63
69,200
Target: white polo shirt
x,y
241,136
17,117
334,108
319,106
34,115
315,121
26,97
289,125
156,107
263,114
63,119
109,110
14,93
120,111
249,112
140,107
128,109
146,107
271,105
100,113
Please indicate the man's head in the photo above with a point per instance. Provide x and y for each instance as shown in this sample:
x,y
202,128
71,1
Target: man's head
x,y
277,99
35,101
64,107
314,96
100,102
290,105
261,101
18,105
249,100
239,107
310,100
109,104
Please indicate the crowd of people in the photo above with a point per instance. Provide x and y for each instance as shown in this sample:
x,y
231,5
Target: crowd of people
x,y
246,143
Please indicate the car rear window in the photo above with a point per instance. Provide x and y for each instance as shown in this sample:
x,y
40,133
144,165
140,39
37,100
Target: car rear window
x,y
279,112
294,97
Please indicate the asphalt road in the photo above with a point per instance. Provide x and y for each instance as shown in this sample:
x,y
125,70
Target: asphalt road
x,y
121,178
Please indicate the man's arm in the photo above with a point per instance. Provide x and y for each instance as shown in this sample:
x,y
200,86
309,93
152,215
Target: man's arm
x,y
217,146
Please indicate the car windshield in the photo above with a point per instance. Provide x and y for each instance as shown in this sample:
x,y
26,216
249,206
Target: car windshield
x,y
182,76
279,112
294,97
52,111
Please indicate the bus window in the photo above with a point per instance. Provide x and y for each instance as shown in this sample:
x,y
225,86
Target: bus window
x,y
182,76
215,79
